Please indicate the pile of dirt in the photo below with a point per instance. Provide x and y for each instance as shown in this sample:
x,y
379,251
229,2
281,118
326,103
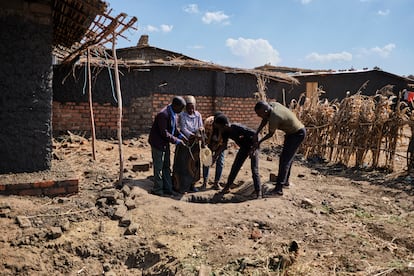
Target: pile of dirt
x,y
332,220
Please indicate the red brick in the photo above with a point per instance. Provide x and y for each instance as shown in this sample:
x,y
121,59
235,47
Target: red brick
x,y
72,189
54,191
29,192
43,184
2,187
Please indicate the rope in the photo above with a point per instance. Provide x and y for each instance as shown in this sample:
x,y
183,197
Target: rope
x,y
110,78
85,80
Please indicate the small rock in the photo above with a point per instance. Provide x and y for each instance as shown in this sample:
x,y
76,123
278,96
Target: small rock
x,y
130,204
126,190
144,167
132,229
314,172
256,234
204,270
4,212
111,195
269,158
120,212
62,200
65,225
307,203
125,221
23,222
106,267
133,157
101,202
55,232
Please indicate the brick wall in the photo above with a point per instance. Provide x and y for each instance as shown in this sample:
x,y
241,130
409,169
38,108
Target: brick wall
x,y
138,118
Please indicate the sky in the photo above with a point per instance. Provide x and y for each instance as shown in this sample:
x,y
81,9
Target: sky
x,y
310,34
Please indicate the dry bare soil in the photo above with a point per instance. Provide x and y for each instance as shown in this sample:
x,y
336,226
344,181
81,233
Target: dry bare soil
x,y
331,221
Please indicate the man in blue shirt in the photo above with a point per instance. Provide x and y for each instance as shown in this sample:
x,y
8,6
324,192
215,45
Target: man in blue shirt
x,y
163,132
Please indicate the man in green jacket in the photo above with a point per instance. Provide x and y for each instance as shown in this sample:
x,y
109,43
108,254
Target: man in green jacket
x,y
277,116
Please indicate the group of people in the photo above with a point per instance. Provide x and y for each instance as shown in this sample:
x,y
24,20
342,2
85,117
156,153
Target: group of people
x,y
181,124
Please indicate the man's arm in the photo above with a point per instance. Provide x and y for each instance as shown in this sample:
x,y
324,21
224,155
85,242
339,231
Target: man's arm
x,y
163,128
256,142
263,123
264,138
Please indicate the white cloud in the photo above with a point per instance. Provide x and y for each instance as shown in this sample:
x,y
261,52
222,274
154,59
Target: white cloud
x,y
163,28
254,52
150,28
383,13
384,51
215,17
305,1
191,8
343,56
166,28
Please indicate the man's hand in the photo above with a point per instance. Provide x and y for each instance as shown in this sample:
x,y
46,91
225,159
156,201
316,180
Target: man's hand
x,y
182,142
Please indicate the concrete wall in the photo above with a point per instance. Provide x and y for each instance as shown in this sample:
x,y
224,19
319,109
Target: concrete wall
x,y
26,86
145,92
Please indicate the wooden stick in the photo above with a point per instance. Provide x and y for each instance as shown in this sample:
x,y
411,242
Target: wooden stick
x,y
91,106
119,96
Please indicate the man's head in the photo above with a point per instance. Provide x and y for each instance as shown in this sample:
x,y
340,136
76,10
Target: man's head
x,y
178,104
262,109
221,121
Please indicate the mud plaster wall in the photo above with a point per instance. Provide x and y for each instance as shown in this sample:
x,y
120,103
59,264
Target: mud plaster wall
x,y
26,87
144,94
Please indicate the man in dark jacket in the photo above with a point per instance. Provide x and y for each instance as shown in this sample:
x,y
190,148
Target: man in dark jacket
x,y
163,132
244,138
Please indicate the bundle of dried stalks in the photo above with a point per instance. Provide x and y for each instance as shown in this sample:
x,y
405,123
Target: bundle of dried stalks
x,y
356,131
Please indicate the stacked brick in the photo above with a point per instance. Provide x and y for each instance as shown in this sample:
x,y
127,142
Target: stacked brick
x,y
49,188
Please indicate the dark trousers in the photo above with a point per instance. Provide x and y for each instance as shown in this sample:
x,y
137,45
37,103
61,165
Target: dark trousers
x,y
241,156
290,147
162,171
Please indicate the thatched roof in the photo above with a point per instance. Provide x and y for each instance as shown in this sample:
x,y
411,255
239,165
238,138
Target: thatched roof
x,y
72,18
180,62
80,24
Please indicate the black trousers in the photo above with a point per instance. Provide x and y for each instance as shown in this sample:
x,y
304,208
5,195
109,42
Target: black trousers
x,y
290,147
241,156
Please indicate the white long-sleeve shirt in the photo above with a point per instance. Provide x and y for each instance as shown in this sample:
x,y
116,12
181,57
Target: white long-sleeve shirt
x,y
189,124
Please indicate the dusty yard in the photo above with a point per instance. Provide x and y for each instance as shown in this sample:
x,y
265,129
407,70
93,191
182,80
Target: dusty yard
x,y
332,221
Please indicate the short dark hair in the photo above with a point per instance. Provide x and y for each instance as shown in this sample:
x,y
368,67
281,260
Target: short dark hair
x,y
178,101
217,113
261,105
221,119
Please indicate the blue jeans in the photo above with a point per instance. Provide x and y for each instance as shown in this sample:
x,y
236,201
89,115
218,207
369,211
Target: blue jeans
x,y
162,171
219,169
290,147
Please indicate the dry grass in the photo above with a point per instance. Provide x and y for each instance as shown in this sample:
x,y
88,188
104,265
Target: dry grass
x,y
362,131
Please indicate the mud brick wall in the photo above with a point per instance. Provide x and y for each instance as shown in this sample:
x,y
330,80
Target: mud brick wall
x,y
26,86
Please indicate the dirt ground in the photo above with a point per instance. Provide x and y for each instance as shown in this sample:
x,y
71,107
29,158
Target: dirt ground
x,y
331,221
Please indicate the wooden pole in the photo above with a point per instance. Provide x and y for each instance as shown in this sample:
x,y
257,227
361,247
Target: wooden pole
x,y
119,97
90,104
